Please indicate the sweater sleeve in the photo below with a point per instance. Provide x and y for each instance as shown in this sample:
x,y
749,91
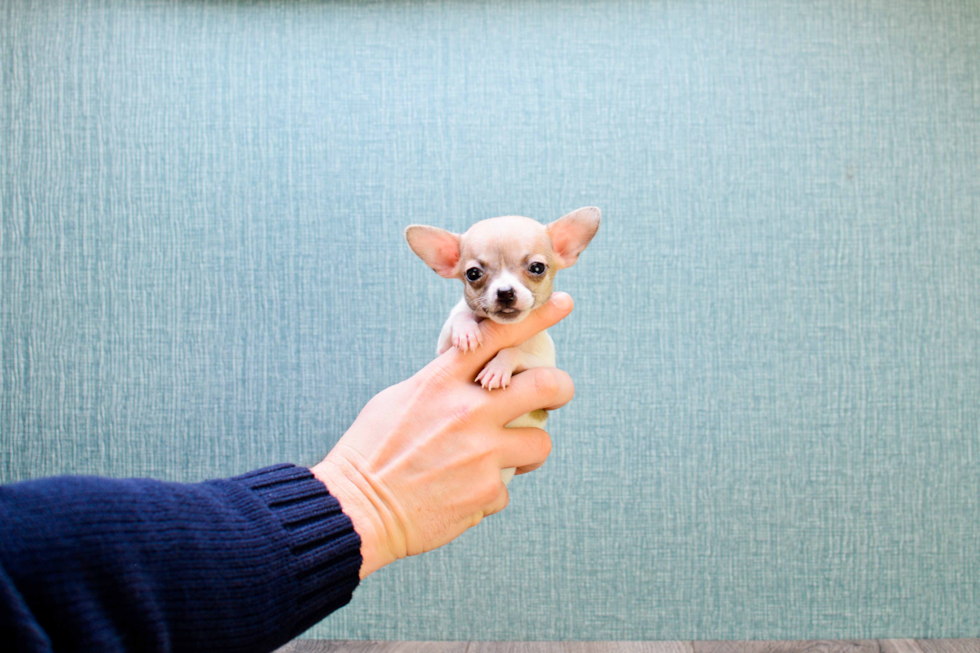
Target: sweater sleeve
x,y
243,564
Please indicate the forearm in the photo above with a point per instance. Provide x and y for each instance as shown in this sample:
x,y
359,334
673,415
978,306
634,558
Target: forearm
x,y
242,564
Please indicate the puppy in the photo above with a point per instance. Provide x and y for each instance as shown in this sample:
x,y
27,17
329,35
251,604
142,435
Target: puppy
x,y
507,266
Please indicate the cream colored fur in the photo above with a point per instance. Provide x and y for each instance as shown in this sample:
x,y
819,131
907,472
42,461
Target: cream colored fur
x,y
498,261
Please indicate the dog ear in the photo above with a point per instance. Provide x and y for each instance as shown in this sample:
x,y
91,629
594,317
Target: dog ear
x,y
572,233
437,247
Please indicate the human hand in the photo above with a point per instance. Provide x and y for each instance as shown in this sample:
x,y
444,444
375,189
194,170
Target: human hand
x,y
421,463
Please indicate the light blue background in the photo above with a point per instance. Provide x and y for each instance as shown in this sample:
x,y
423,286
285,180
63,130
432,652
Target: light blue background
x,y
775,345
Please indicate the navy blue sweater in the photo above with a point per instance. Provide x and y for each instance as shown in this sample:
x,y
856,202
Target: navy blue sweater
x,y
244,564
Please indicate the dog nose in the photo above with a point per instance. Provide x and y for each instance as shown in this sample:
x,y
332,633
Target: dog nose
x,y
505,295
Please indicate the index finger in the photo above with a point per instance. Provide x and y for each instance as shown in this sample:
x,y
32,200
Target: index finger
x,y
500,336
546,388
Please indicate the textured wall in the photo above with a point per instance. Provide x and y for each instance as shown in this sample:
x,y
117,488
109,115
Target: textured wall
x,y
777,336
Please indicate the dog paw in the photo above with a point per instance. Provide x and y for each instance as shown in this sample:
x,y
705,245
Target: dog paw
x,y
497,373
467,336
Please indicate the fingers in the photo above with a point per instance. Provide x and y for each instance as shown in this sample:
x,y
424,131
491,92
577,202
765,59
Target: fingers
x,y
540,387
499,503
496,496
499,336
524,447
528,468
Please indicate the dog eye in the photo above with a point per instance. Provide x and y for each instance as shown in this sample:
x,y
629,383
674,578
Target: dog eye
x,y
536,268
474,274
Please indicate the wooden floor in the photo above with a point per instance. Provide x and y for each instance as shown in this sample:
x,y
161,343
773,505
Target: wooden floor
x,y
828,646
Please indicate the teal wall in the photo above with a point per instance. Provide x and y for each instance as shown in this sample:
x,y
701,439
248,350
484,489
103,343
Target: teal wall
x,y
776,343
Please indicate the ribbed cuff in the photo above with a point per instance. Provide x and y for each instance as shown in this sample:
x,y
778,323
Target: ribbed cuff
x,y
325,548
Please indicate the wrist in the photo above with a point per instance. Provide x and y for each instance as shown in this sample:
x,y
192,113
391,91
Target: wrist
x,y
465,318
364,516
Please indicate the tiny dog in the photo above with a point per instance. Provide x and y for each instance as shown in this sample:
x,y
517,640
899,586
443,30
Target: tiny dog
x,y
507,266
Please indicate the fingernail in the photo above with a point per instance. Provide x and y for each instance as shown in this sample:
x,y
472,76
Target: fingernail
x,y
562,301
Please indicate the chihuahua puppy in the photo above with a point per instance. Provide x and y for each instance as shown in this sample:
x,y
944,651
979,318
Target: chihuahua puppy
x,y
507,266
